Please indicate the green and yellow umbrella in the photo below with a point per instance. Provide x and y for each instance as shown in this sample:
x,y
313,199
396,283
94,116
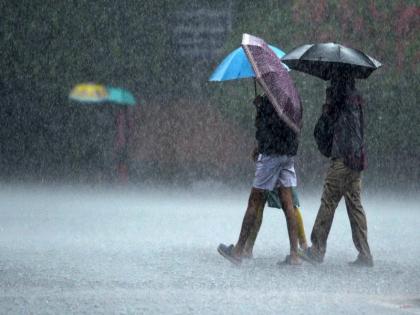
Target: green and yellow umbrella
x,y
98,93
89,93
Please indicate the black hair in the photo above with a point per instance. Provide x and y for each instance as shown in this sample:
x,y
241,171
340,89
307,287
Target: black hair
x,y
341,86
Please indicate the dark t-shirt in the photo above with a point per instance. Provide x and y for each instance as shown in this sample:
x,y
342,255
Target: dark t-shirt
x,y
273,135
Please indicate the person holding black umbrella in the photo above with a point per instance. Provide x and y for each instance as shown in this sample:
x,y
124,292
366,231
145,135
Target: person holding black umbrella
x,y
342,139
339,134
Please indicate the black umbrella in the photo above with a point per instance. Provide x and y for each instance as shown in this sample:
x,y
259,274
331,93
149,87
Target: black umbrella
x,y
324,60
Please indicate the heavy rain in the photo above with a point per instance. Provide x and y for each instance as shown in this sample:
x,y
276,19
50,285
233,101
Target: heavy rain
x,y
124,166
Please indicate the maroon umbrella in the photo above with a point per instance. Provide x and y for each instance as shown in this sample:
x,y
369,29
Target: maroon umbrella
x,y
275,80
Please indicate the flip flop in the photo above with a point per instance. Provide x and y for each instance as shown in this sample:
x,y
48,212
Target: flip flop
x,y
226,251
306,256
288,262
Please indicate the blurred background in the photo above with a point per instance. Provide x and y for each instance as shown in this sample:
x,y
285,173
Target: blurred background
x,y
183,128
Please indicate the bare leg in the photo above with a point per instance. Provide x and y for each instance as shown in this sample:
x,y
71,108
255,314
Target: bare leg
x,y
285,194
255,202
249,245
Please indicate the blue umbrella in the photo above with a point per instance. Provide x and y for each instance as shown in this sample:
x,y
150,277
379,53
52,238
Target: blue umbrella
x,y
237,66
120,96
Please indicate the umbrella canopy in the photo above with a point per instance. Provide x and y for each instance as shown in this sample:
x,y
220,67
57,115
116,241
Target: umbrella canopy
x,y
324,60
275,80
120,96
89,93
237,66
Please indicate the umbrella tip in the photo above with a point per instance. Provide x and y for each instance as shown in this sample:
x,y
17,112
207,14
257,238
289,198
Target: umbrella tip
x,y
246,38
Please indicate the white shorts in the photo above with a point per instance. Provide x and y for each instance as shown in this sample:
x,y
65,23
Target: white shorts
x,y
273,171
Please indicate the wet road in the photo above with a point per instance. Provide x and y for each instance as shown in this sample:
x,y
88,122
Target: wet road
x,y
153,251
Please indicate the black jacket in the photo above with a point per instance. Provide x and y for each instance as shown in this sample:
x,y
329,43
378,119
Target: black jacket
x,y
273,135
340,135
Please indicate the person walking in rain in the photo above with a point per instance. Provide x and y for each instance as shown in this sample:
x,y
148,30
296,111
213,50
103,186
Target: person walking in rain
x,y
277,145
339,134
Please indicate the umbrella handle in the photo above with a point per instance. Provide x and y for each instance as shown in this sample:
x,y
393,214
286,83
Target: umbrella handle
x,y
255,87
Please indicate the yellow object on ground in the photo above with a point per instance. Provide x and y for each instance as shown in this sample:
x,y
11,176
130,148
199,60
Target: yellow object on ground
x,y
300,227
89,92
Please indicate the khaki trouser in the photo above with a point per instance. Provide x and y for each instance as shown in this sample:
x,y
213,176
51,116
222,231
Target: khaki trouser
x,y
341,181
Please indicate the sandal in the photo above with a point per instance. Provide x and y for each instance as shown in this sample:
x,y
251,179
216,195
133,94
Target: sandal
x,y
307,256
227,252
288,262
